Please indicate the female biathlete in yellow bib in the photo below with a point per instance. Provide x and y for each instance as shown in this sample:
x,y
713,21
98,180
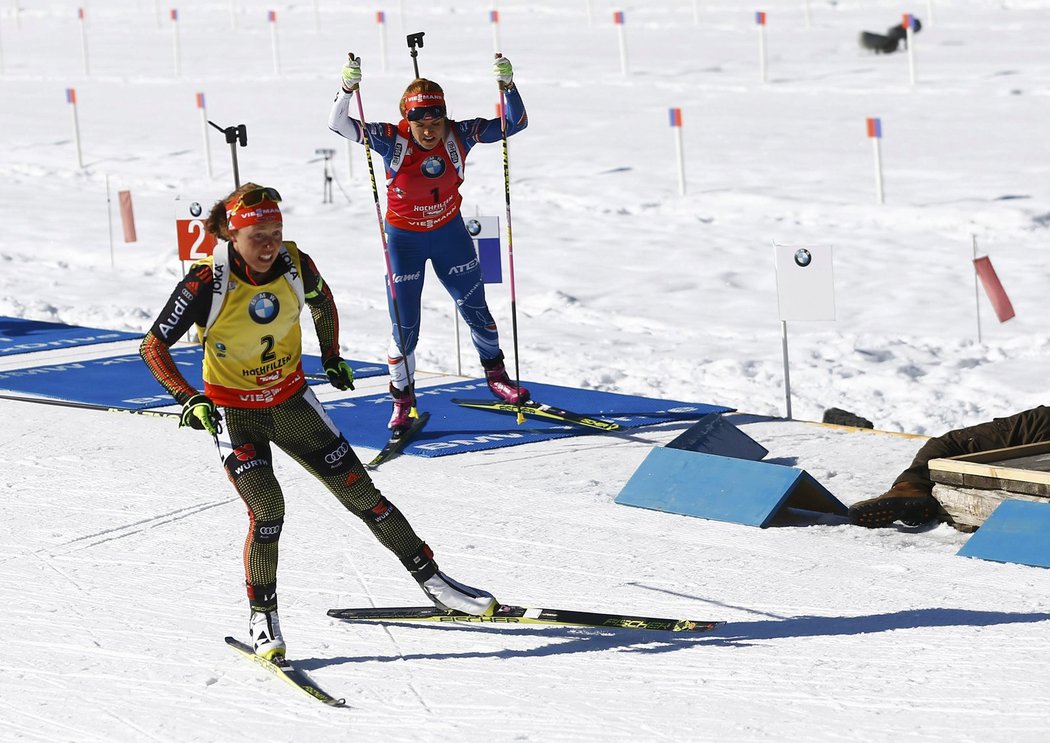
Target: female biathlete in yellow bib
x,y
246,300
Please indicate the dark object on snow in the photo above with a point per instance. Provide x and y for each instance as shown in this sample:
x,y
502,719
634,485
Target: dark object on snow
x,y
905,502
840,417
888,43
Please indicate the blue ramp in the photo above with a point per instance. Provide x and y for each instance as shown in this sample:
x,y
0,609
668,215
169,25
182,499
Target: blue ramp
x,y
26,336
1017,531
739,491
454,430
125,382
713,434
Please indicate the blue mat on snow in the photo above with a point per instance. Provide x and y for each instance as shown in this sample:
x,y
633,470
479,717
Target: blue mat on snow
x,y
125,382
25,336
454,430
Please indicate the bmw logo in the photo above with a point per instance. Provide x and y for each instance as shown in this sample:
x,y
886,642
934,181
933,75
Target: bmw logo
x,y
473,227
803,257
196,209
433,167
264,308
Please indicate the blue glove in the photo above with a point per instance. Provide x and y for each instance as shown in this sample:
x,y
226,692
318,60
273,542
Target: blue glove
x,y
200,412
340,375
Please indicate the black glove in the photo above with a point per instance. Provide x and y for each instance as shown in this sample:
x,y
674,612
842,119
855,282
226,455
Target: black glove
x,y
340,375
200,412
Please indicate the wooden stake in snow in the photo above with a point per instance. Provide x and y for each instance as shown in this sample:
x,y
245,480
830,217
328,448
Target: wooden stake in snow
x,y
273,38
760,21
175,42
618,19
676,124
875,134
204,131
71,99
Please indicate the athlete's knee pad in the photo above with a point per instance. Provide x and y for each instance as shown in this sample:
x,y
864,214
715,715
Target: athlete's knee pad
x,y
334,459
248,457
267,532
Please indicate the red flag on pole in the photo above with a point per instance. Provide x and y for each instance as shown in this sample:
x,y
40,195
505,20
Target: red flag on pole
x,y
993,288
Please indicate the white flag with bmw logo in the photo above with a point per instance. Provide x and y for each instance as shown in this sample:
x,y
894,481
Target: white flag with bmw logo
x,y
805,282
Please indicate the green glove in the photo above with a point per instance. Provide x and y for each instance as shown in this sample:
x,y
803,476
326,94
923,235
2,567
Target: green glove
x,y
340,375
504,72
199,412
352,74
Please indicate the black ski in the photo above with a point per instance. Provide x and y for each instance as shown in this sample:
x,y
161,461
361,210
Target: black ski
x,y
287,672
397,443
507,614
540,410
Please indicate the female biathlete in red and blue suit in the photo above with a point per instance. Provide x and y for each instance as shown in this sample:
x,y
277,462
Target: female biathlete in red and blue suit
x,y
424,155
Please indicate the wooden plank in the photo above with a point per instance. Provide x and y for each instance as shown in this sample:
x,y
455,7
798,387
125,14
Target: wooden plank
x,y
1003,455
1014,468
970,507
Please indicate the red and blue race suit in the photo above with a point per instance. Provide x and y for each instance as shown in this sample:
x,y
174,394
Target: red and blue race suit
x,y
423,220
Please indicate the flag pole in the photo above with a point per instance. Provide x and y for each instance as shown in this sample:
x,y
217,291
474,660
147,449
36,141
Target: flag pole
x,y
976,289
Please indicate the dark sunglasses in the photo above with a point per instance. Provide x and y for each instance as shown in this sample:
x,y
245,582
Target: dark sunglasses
x,y
255,197
425,112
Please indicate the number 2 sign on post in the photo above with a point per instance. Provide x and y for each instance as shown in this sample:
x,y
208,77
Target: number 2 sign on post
x,y
194,240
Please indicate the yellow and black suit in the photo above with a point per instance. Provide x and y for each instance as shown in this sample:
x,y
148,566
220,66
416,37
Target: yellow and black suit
x,y
252,370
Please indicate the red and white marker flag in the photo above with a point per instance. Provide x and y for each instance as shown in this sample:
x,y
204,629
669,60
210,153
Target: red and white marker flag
x,y
875,134
1004,310
273,37
204,131
71,99
175,42
83,39
908,22
760,21
676,124
619,20
127,216
2,71
381,24
494,21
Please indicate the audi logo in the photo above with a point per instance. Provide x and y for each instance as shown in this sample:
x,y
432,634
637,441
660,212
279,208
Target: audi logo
x,y
337,454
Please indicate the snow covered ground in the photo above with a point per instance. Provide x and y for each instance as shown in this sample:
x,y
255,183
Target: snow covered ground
x,y
120,556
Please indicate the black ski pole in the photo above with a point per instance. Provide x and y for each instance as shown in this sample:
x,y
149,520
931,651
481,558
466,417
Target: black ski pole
x,y
510,243
392,285
89,406
415,40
